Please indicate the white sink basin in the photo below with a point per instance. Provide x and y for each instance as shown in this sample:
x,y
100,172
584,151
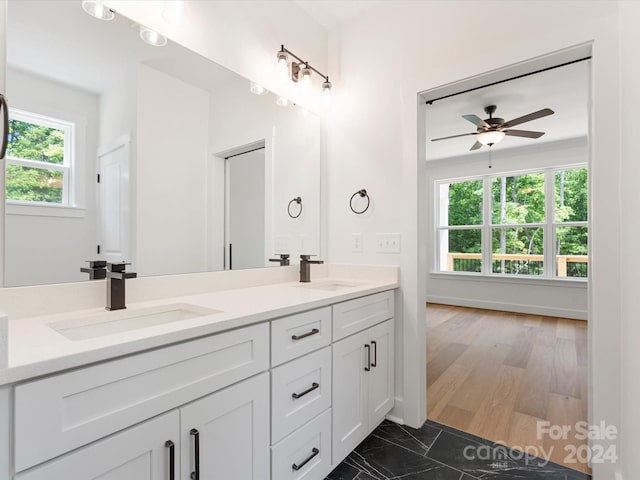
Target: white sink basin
x,y
81,327
329,285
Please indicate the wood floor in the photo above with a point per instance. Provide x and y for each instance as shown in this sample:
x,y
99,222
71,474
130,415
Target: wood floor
x,y
497,374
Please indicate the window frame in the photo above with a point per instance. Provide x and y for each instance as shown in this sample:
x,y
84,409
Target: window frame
x,y
66,168
487,227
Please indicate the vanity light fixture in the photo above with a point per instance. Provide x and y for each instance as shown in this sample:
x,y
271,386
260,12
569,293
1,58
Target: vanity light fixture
x,y
97,10
283,64
300,70
257,89
490,137
173,11
326,91
152,37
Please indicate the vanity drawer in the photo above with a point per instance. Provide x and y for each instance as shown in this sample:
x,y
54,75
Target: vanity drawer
x,y
312,443
309,378
299,334
62,412
356,315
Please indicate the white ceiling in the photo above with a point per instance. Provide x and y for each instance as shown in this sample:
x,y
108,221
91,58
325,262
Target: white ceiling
x,y
331,13
564,90
57,39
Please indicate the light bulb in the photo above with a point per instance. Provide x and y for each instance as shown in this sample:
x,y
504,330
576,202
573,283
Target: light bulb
x,y
326,92
97,10
491,137
282,102
173,11
283,65
305,76
257,89
152,37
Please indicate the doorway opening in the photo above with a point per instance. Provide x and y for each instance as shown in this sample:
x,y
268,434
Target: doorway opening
x,y
508,226
245,207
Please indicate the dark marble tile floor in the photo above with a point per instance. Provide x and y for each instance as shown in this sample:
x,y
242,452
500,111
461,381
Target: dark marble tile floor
x,y
438,452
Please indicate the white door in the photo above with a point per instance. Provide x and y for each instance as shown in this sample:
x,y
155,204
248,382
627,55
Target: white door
x,y
230,431
349,394
381,386
245,209
139,453
113,202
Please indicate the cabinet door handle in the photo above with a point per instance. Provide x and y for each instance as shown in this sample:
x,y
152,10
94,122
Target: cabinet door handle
x,y
314,452
368,367
313,386
195,475
305,335
375,353
172,459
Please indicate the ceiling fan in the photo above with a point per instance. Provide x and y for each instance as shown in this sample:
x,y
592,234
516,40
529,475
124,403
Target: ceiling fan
x,y
493,130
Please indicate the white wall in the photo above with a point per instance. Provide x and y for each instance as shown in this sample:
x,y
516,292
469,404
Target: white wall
x,y
42,248
630,95
539,296
388,54
293,158
171,175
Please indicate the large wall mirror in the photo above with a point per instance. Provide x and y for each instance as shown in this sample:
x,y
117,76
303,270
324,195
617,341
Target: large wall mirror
x,y
195,172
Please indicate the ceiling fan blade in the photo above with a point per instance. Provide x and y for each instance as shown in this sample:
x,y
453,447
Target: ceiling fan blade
x,y
477,121
523,133
475,146
527,118
452,136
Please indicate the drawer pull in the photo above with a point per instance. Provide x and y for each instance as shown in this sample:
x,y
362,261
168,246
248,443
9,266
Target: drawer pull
x,y
368,367
172,459
375,353
314,452
195,475
313,386
305,335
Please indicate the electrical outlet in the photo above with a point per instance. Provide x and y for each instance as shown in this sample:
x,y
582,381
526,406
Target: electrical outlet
x,y
356,243
302,242
388,243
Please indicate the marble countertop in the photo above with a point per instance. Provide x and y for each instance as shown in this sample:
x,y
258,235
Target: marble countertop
x,y
35,349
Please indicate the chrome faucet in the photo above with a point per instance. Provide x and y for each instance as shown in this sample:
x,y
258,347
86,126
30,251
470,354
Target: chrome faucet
x,y
305,267
116,276
283,260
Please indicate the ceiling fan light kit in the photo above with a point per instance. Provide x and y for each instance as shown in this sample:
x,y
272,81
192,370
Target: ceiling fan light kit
x,y
493,130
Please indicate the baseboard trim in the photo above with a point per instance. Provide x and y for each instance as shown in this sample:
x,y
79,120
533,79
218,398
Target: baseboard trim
x,y
395,419
510,307
396,414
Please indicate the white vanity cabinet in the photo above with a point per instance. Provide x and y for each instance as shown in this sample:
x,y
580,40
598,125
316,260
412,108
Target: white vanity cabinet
x,y
226,435
66,412
139,453
229,430
301,389
363,371
283,399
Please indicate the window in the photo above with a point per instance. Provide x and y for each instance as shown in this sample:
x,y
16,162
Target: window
x,y
39,159
499,225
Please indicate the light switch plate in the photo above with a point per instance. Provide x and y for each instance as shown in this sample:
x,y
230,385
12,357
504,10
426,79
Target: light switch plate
x,y
387,243
356,243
